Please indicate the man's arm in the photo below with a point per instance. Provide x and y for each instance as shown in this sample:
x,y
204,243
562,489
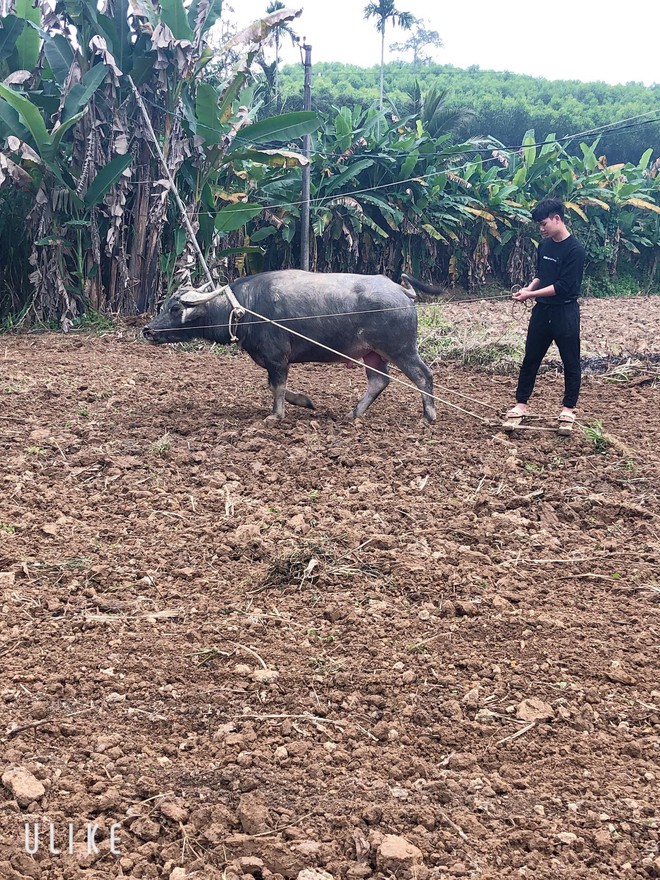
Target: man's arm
x,y
532,291
571,272
568,281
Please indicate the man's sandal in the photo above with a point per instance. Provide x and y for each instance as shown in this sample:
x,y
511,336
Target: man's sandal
x,y
566,422
513,419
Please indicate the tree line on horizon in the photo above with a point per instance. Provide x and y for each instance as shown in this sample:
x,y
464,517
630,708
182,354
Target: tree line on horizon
x,y
497,103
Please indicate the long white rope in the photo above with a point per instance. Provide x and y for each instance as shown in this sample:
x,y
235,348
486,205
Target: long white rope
x,y
264,320
238,309
419,306
346,357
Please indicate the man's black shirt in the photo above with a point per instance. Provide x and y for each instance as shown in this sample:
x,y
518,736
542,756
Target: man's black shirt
x,y
560,263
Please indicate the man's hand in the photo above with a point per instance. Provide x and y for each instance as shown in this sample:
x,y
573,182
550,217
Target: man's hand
x,y
522,294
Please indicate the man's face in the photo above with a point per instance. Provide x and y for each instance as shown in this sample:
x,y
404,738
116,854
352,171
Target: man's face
x,y
551,226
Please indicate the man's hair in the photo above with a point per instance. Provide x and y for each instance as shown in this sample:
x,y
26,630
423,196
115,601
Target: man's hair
x,y
547,207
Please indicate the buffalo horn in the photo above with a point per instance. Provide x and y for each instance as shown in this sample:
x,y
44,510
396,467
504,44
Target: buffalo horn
x,y
198,298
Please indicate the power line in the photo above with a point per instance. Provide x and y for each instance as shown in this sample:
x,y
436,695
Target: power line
x,y
606,128
419,178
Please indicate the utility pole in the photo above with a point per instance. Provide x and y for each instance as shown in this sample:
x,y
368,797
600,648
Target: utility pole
x,y
306,172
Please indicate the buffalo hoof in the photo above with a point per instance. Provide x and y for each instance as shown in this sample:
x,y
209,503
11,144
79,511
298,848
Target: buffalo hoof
x,y
429,414
299,400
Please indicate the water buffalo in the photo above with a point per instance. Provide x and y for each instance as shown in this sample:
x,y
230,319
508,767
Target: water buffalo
x,y
366,317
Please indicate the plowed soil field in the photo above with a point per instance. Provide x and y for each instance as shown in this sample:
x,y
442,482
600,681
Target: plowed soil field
x,y
236,650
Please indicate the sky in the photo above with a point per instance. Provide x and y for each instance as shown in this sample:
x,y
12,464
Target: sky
x,y
559,40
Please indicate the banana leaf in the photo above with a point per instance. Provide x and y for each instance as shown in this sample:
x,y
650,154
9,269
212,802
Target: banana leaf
x,y
106,178
81,92
286,127
12,28
232,217
59,55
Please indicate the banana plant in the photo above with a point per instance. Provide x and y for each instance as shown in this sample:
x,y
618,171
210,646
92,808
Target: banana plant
x,y
102,218
632,196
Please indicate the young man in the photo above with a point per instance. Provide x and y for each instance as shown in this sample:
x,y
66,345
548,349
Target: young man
x,y
556,314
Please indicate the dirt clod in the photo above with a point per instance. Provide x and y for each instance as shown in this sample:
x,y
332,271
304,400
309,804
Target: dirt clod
x,y
23,786
396,854
533,709
253,815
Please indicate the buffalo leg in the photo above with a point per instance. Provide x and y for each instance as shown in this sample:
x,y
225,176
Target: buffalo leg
x,y
298,399
277,376
416,370
377,383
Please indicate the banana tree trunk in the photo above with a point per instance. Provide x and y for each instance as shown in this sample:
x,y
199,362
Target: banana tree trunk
x,y
51,300
136,261
614,259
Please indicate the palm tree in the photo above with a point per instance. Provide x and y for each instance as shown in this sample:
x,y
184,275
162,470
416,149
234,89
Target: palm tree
x,y
383,11
278,30
438,116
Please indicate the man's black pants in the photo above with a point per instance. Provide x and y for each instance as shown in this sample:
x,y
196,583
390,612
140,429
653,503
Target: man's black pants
x,y
548,324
